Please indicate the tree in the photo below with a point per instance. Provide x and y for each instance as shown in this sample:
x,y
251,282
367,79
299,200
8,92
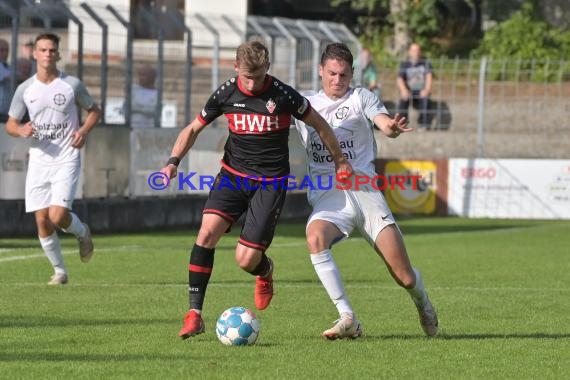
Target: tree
x,y
401,30
392,24
529,40
525,36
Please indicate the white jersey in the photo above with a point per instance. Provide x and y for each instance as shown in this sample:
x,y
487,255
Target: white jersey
x,y
350,117
54,113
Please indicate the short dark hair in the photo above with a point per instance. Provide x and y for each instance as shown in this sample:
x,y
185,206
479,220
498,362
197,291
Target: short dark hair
x,y
48,36
338,51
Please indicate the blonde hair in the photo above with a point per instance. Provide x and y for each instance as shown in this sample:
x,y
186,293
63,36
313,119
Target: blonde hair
x,y
252,55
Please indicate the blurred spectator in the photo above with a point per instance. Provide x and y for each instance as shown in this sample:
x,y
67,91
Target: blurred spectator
x,y
369,72
5,74
144,98
24,69
28,53
414,82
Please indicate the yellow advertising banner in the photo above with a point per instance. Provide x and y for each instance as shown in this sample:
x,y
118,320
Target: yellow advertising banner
x,y
416,195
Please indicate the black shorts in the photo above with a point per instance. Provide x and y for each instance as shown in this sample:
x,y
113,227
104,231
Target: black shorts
x,y
262,202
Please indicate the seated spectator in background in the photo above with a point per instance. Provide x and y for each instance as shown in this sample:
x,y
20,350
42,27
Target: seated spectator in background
x,y
369,72
414,83
144,98
5,74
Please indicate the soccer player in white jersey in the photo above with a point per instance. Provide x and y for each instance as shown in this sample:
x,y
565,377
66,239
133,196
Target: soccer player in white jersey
x,y
52,99
352,112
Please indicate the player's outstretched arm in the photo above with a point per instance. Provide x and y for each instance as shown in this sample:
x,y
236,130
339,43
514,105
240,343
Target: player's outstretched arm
x,y
14,129
185,140
392,127
315,120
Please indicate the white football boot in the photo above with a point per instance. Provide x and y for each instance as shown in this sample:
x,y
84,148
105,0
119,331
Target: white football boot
x,y
86,245
347,326
58,279
428,318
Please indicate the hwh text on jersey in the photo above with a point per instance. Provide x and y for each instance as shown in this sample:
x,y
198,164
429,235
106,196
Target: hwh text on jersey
x,y
255,123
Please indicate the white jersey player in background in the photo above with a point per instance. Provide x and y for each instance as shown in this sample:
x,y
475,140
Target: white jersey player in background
x,y
52,99
351,112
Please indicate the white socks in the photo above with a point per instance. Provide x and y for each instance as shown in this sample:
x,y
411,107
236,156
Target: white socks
x,y
76,227
418,293
330,278
52,249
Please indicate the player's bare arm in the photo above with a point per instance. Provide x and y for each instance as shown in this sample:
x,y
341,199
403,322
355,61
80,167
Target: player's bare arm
x,y
14,129
315,120
185,140
80,136
392,127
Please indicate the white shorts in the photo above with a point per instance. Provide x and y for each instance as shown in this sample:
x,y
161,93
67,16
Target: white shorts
x,y
51,185
366,210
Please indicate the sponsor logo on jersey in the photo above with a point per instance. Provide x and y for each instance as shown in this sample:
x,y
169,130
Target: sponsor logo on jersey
x,y
240,105
341,113
270,105
320,153
242,123
204,113
59,99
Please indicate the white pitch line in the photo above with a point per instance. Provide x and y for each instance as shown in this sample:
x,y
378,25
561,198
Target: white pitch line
x,y
26,257
298,286
65,253
122,248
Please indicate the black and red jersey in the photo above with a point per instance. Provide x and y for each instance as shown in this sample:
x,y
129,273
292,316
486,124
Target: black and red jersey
x,y
258,143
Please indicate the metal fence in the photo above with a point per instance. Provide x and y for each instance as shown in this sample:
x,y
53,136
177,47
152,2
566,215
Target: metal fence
x,y
296,46
470,97
478,97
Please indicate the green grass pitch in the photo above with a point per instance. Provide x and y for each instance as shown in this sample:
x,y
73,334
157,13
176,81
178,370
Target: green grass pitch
x,y
502,290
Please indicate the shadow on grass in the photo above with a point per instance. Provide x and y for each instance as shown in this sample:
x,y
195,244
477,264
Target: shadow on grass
x,y
447,228
55,357
474,336
6,244
19,321
90,357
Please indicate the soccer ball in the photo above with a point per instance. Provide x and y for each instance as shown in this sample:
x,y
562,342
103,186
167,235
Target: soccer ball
x,y
237,326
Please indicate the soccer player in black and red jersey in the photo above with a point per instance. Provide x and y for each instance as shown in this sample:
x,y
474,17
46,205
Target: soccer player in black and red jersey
x,y
258,108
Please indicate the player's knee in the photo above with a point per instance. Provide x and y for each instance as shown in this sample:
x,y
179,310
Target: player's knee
x,y
58,218
246,262
406,279
316,242
206,238
43,222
